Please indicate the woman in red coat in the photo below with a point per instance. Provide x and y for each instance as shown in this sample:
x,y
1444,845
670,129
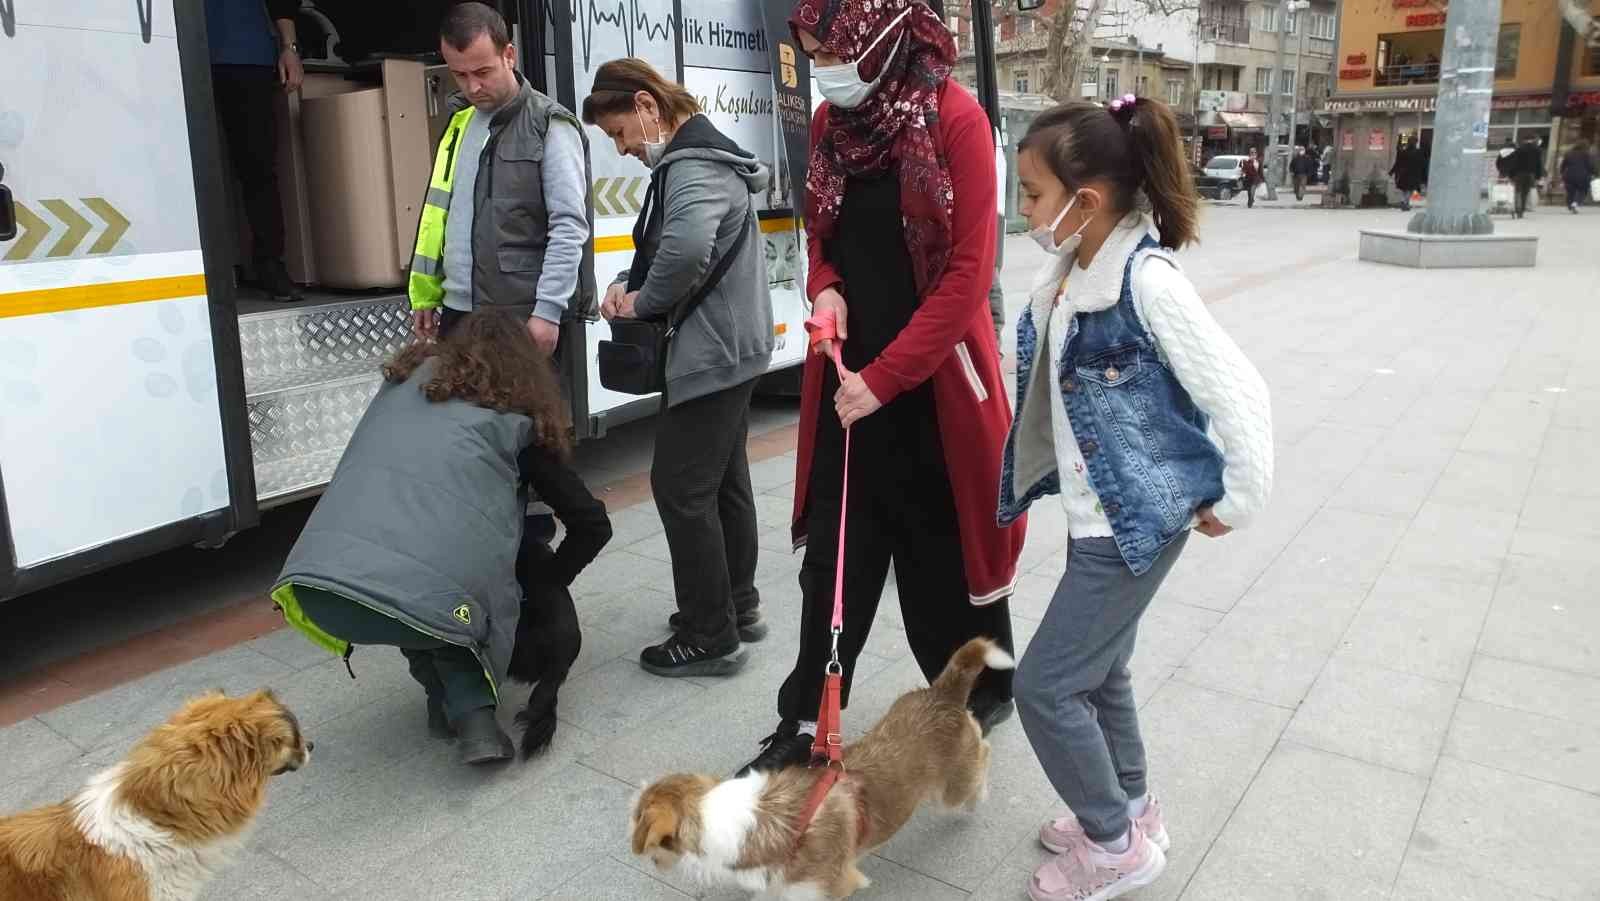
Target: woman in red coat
x,y
900,219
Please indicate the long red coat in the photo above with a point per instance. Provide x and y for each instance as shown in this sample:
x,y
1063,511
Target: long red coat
x,y
950,340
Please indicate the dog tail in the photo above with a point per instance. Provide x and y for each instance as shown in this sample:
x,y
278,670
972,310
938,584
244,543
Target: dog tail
x,y
954,685
538,719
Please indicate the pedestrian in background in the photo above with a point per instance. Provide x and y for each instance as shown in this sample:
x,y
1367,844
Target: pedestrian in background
x,y
699,208
1121,369
1577,172
1251,169
1525,166
1303,168
1408,172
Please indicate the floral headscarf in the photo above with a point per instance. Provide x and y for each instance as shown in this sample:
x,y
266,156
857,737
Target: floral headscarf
x,y
897,124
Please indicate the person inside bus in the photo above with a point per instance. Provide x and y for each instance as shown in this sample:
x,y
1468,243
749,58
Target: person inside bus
x,y
506,219
900,225
418,541
700,205
251,62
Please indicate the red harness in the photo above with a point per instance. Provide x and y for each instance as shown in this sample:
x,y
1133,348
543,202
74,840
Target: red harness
x,y
827,751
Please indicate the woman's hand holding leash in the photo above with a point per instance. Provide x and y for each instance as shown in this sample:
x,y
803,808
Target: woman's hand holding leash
x,y
854,400
830,306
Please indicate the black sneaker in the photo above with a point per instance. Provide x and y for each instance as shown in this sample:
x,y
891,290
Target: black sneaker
x,y
481,740
784,748
990,713
274,279
677,656
751,628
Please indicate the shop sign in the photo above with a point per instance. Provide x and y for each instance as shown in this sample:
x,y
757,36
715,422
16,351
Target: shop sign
x,y
1223,101
1412,4
1217,133
1356,59
1576,101
1353,74
1378,139
1425,20
1349,140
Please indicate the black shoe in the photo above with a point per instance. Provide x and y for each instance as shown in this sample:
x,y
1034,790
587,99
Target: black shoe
x,y
784,748
751,628
677,656
481,738
274,279
990,714
438,723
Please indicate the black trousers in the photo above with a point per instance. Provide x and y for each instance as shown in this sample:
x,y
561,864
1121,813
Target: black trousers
x,y
244,100
1524,184
700,477
901,513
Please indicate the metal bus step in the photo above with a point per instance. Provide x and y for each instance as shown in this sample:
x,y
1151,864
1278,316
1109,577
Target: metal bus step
x,y
310,371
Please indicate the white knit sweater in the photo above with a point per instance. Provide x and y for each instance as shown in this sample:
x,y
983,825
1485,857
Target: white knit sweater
x,y
1210,366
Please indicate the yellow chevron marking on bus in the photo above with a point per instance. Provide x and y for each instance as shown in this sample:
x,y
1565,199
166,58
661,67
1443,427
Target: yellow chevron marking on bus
x,y
109,294
619,243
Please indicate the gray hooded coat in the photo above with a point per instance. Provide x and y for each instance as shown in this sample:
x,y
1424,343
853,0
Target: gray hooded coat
x,y
705,185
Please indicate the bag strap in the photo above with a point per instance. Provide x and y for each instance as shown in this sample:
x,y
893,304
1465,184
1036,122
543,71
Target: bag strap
x,y
682,312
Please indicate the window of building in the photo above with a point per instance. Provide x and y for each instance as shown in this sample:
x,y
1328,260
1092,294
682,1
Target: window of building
x,y
1322,26
1025,25
1019,80
1286,82
1408,58
1294,21
1591,60
1316,86
1143,86
1263,80
1174,92
1111,83
1267,17
1505,52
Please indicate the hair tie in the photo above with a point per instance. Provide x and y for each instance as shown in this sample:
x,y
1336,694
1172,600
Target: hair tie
x,y
1123,108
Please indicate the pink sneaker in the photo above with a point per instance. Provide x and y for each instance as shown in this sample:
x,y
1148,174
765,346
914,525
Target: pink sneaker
x,y
1089,872
1060,834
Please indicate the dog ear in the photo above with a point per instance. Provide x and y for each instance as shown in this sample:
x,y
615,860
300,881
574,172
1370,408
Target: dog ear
x,y
656,827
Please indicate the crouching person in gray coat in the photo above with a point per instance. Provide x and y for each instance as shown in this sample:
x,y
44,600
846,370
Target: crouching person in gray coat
x,y
417,543
699,205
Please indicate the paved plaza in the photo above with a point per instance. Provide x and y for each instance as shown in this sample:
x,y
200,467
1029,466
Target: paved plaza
x,y
1388,687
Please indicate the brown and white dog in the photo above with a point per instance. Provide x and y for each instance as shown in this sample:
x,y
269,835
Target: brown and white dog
x,y
744,832
160,824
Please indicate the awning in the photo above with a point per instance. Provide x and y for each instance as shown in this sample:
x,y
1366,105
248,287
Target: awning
x,y
1244,121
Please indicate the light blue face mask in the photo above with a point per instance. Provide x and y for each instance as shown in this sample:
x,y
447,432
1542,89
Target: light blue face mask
x,y
842,85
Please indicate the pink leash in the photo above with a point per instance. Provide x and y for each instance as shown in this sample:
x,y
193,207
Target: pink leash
x,y
823,327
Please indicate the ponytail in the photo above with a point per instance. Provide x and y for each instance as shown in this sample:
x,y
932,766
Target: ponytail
x,y
1134,145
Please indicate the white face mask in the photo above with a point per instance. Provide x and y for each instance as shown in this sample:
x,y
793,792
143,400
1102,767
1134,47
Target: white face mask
x,y
842,85
1045,235
653,150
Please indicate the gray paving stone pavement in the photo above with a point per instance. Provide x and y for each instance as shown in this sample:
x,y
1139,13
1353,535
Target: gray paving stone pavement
x,y
1389,687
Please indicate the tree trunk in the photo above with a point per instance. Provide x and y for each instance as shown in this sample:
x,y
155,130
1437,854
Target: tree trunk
x,y
1070,43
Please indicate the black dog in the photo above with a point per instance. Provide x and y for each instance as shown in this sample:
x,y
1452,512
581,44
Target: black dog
x,y
548,641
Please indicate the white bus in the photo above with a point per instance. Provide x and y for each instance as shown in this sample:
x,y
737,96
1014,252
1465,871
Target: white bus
x,y
146,402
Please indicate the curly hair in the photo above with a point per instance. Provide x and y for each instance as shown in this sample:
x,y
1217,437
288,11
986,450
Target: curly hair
x,y
489,359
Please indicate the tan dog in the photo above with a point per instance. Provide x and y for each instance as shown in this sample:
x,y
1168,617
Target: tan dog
x,y
743,832
160,824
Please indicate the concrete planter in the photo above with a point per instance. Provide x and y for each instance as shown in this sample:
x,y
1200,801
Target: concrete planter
x,y
1399,248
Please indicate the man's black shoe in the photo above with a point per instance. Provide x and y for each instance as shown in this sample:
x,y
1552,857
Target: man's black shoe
x,y
481,740
678,656
784,748
274,278
751,628
991,713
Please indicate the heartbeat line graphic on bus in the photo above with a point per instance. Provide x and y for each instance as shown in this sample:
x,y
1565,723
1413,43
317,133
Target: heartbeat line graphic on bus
x,y
624,16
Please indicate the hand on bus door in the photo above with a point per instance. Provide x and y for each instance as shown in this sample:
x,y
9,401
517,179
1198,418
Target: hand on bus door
x,y
830,300
291,72
425,324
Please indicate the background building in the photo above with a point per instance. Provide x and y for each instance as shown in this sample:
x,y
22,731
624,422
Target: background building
x,y
1547,83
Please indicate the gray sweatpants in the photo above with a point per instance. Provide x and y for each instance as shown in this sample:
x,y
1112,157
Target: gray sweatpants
x,y
1073,689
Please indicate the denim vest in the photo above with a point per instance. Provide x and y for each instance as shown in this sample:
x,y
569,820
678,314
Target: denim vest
x,y
1144,442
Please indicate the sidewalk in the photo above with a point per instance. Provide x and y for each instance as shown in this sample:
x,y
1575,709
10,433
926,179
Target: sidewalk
x,y
1388,687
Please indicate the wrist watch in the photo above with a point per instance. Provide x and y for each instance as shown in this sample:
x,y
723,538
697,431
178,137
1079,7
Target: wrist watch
x,y
293,47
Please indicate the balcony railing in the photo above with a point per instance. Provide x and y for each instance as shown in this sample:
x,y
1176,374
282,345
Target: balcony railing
x,y
1225,33
1407,73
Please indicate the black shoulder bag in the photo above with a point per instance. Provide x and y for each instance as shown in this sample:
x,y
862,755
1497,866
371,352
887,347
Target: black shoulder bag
x,y
634,361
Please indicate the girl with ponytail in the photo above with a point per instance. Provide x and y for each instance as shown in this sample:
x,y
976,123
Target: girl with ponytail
x,y
1123,379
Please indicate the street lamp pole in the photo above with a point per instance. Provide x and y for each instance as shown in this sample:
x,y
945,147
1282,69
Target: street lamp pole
x,y
1294,87
1194,85
1461,122
1274,94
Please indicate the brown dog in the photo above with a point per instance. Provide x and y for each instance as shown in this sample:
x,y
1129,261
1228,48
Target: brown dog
x,y
160,824
744,832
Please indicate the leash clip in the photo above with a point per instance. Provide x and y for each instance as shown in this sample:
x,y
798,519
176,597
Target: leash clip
x,y
835,668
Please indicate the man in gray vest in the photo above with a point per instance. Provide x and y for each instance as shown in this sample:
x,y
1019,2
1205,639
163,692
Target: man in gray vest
x,y
516,216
